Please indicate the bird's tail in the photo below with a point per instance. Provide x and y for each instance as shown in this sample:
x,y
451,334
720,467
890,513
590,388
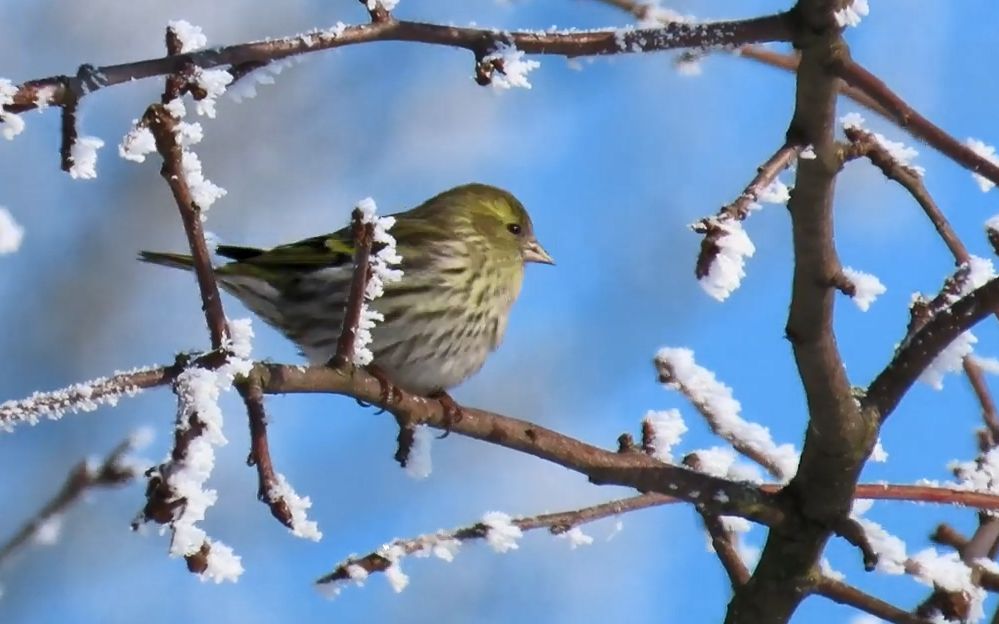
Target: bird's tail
x,y
174,260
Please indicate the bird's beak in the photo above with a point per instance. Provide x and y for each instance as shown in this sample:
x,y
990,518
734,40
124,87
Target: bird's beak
x,y
534,252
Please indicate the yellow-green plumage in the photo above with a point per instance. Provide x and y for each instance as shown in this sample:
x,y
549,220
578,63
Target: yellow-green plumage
x,y
463,255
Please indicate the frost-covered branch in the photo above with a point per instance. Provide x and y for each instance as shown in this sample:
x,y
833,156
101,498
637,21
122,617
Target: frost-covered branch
x,y
116,469
726,245
922,348
164,126
363,235
864,144
910,120
570,43
497,528
82,397
273,488
176,495
678,370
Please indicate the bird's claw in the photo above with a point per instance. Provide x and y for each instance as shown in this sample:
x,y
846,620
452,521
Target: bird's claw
x,y
452,412
388,391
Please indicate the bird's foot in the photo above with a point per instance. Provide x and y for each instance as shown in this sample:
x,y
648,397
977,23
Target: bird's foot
x,y
389,391
452,411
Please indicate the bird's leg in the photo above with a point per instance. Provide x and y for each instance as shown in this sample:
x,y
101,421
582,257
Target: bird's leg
x,y
389,391
452,411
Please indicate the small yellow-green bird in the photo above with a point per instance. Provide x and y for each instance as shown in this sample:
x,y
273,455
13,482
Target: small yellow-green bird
x,y
463,255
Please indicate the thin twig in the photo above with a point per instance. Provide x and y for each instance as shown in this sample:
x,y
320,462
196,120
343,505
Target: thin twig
x,y
260,455
363,236
840,592
113,471
739,209
913,122
478,40
163,126
556,523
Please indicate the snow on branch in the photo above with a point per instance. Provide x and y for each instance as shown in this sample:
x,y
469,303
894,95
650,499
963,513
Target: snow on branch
x,y
371,272
498,529
505,68
862,287
273,488
177,496
725,247
852,13
79,397
11,124
987,152
969,276
678,371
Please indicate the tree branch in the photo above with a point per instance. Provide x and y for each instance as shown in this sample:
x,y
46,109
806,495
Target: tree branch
x,y
910,120
918,351
163,125
477,40
557,523
113,471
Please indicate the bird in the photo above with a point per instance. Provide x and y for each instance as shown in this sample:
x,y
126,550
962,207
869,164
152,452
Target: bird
x,y
463,254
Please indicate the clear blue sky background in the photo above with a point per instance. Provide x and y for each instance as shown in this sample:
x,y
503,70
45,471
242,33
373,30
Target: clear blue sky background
x,y
612,160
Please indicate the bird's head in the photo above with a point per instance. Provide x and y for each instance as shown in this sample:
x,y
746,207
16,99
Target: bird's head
x,y
499,218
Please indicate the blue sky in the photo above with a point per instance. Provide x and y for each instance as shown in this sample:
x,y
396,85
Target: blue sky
x,y
613,160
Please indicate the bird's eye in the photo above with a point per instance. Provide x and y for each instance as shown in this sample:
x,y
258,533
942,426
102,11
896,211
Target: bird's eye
x,y
514,228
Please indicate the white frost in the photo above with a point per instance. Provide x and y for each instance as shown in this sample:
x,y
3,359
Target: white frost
x,y
774,193
80,397
852,14
198,391
191,37
388,5
419,464
667,429
223,564
714,399
889,548
501,533
83,153
514,67
879,454
214,82
576,538
203,191
900,152
728,267
11,124
138,142
987,152
301,526
47,533
949,573
11,235
867,287
950,360
382,272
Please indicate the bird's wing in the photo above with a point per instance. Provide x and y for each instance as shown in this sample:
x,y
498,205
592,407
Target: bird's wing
x,y
327,250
